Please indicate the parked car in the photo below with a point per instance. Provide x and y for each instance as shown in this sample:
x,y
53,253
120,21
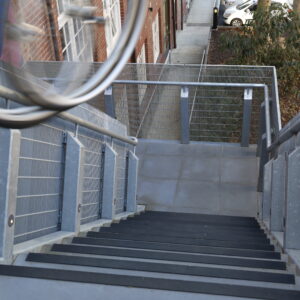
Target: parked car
x,y
229,3
242,13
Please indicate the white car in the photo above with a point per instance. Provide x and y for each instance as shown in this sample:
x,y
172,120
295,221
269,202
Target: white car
x,y
229,3
242,13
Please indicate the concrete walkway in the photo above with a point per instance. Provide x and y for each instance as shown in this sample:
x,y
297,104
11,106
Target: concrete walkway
x,y
193,39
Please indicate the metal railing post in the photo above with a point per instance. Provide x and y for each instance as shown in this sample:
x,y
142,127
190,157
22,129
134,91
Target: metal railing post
x,y
292,228
109,102
73,182
109,180
264,158
184,115
278,193
248,95
267,191
10,141
262,128
132,182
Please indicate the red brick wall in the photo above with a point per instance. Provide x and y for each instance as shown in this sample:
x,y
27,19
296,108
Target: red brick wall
x,y
35,12
100,41
44,14
146,35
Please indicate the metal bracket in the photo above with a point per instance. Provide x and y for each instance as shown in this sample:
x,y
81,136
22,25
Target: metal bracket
x,y
248,95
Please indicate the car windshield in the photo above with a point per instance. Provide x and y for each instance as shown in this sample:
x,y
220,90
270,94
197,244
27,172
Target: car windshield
x,y
243,5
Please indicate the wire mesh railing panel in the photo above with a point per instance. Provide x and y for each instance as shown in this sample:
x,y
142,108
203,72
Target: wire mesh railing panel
x,y
40,182
93,175
217,116
215,113
121,176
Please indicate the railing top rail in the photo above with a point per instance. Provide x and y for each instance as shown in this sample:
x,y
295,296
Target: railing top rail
x,y
15,96
77,120
293,127
215,84
187,83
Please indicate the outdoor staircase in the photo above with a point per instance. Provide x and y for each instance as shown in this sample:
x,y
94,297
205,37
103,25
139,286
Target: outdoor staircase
x,y
196,256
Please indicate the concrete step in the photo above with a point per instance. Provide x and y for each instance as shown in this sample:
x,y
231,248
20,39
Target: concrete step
x,y
192,227
211,235
178,247
161,267
199,218
173,240
171,256
37,289
156,283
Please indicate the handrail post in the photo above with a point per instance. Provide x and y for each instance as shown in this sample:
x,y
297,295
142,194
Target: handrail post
x,y
10,141
292,229
73,184
264,158
109,181
132,173
184,114
248,95
262,128
109,102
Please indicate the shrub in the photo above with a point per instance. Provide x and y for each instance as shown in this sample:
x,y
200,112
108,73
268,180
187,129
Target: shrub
x,y
271,38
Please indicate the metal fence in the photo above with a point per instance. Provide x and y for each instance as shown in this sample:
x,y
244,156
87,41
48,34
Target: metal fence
x,y
39,201
121,175
93,175
40,182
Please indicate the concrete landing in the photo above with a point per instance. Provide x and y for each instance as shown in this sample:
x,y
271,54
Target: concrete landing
x,y
36,289
210,178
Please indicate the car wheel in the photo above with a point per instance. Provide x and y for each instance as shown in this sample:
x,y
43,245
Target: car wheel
x,y
236,22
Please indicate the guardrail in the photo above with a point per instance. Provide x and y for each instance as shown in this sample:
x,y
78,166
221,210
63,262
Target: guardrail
x,y
185,124
280,183
77,168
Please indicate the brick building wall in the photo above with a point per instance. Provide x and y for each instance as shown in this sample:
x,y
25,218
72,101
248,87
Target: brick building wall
x,y
48,47
99,32
165,10
35,12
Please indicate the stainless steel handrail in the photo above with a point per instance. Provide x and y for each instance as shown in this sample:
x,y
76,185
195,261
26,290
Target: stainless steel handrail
x,y
286,133
15,96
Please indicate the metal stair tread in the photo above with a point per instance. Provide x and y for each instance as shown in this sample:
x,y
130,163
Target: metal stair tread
x,y
178,248
201,235
199,242
253,263
150,282
161,267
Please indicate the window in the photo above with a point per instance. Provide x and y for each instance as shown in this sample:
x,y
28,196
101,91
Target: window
x,y
74,36
113,22
155,35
